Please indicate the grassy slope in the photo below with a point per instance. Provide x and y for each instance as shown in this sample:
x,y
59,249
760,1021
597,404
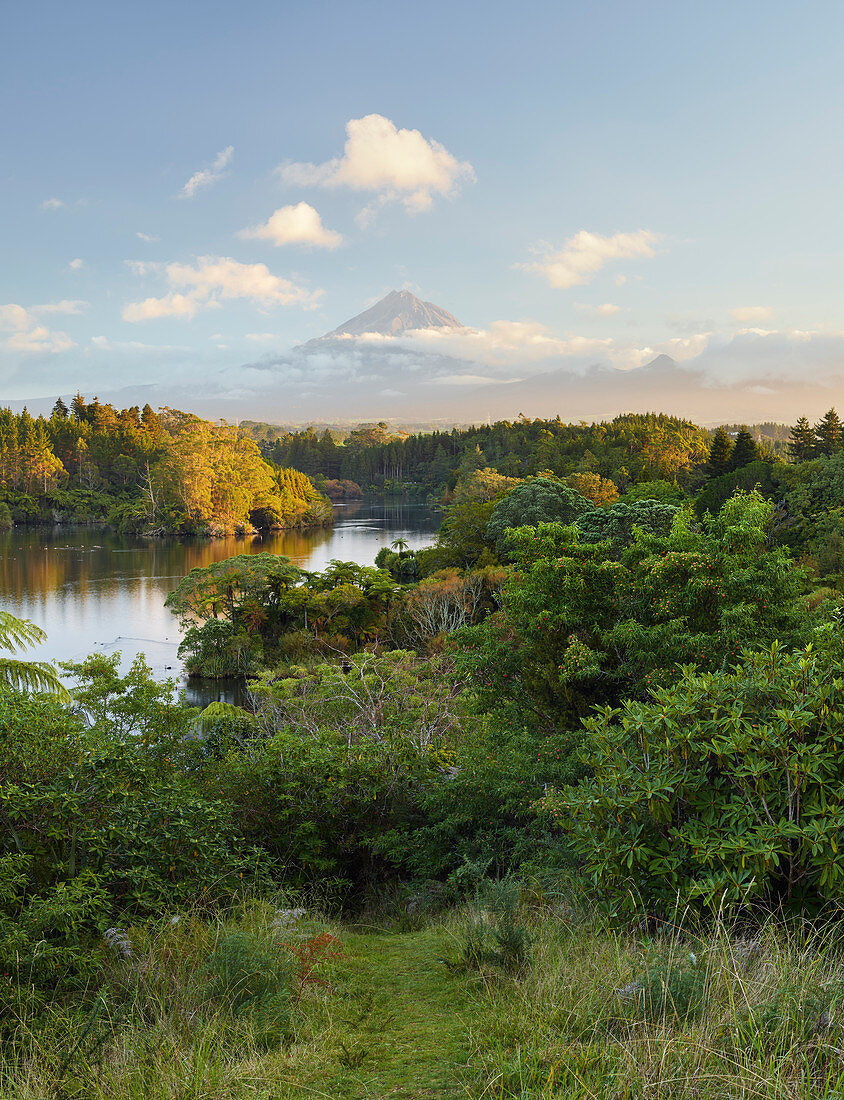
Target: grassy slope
x,y
394,1022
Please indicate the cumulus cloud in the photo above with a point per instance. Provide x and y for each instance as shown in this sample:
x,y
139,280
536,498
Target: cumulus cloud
x,y
27,335
749,314
606,309
212,281
205,177
397,165
584,254
52,204
299,224
148,237
76,265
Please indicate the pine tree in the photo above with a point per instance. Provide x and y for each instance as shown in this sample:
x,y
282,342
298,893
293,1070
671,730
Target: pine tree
x,y
77,407
802,442
828,433
60,409
745,450
718,462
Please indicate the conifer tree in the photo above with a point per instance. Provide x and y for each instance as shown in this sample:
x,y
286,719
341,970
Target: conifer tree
x,y
828,433
745,450
802,442
718,462
77,407
60,409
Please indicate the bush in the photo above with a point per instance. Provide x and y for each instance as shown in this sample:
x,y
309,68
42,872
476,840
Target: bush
x,y
725,789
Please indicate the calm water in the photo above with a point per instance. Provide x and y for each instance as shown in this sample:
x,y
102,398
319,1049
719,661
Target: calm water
x,y
95,591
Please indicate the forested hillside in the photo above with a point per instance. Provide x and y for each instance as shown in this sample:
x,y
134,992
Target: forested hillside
x,y
144,471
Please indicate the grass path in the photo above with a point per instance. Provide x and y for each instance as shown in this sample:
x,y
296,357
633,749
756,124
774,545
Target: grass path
x,y
398,1021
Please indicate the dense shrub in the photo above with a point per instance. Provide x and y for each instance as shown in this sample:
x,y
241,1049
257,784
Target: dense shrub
x,y
723,789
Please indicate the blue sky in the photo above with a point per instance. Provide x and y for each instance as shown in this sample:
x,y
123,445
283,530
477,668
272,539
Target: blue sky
x,y
678,165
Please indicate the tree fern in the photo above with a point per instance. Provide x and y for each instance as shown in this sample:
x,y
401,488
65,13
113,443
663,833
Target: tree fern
x,y
17,634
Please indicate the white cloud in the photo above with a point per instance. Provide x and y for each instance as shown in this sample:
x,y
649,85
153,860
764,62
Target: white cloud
x,y
66,305
29,336
103,343
52,204
606,309
41,339
206,176
212,281
76,265
471,380
620,280
397,165
584,254
299,224
148,237
748,314
144,267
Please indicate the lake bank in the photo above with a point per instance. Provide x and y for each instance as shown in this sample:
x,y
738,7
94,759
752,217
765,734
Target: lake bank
x,y
96,591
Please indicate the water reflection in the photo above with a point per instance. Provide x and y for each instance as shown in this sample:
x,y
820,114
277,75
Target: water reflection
x,y
96,591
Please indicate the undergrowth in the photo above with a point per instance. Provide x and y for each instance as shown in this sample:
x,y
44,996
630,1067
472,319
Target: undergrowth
x,y
549,1001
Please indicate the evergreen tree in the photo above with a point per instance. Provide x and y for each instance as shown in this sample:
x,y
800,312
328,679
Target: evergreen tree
x,y
718,462
745,450
77,407
60,409
802,442
828,433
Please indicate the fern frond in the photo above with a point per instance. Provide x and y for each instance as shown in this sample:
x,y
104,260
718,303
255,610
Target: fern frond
x,y
17,634
32,676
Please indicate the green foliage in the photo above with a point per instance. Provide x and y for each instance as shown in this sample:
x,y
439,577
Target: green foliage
x,y
718,462
144,472
539,500
494,934
462,542
107,790
669,992
665,492
828,434
16,634
578,627
744,451
762,476
45,932
630,448
218,649
724,789
617,522
245,975
247,605
802,443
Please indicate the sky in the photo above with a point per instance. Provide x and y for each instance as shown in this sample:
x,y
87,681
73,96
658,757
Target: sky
x,y
188,190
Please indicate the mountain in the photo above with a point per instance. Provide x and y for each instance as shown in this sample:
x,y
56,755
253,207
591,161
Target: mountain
x,y
397,312
405,359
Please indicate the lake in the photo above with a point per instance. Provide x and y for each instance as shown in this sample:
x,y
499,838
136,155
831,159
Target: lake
x,y
95,591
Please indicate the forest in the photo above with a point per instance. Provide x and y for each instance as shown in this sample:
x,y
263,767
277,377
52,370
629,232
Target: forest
x,y
551,808
145,472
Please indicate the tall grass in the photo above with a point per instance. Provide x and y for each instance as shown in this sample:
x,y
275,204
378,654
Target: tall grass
x,y
592,1013
608,1016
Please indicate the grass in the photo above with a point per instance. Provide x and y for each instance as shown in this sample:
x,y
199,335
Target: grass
x,y
596,1015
